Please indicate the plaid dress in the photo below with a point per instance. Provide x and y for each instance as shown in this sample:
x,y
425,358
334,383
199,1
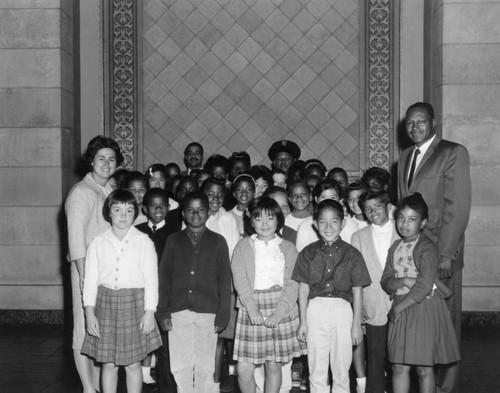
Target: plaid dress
x,y
259,344
119,313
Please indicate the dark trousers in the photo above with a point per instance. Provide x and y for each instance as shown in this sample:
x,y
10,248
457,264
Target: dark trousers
x,y
376,355
166,382
448,374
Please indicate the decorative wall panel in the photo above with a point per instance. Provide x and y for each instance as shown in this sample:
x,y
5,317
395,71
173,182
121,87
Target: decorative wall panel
x,y
240,74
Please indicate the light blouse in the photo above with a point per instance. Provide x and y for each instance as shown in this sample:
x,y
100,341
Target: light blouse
x,y
116,264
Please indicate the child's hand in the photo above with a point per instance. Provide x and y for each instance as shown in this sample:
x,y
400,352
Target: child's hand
x,y
356,334
302,332
409,282
166,324
219,329
91,322
147,322
393,315
256,318
272,321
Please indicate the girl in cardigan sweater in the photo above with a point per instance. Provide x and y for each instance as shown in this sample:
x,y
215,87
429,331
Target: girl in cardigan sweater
x,y
262,266
420,330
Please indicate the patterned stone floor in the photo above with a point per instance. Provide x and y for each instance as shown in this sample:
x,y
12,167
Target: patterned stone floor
x,y
37,359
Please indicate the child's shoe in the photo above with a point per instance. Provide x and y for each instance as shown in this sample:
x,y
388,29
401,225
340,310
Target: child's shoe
x,y
303,384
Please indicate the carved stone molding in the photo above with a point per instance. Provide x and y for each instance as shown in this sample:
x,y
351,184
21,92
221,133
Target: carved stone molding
x,y
379,77
122,77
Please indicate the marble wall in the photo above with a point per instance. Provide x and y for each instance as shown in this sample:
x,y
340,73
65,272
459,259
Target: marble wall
x,y
464,81
36,149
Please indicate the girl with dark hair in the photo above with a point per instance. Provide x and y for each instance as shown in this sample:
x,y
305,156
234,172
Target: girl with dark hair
x,y
420,329
120,295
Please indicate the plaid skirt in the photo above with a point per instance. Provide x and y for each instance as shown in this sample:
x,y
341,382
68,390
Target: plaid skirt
x,y
260,344
119,313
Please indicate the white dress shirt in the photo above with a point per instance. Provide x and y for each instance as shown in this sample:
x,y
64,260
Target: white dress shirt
x,y
116,264
423,149
382,235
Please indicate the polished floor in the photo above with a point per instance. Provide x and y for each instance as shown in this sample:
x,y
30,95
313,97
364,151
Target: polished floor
x,y
37,359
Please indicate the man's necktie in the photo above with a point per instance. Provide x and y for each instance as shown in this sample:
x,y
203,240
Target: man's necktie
x,y
413,165
154,228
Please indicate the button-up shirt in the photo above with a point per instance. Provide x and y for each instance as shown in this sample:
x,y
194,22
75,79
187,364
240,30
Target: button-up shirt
x,y
116,264
331,270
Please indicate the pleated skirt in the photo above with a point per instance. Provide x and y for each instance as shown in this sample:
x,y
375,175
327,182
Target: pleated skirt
x,y
423,335
119,313
260,344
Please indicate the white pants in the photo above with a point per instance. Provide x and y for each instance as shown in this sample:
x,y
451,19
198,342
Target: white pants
x,y
192,343
286,377
329,322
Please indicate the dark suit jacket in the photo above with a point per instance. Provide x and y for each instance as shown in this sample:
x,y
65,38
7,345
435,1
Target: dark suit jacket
x,y
159,238
443,179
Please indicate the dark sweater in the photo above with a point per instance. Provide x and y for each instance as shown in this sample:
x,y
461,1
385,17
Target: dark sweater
x,y
196,279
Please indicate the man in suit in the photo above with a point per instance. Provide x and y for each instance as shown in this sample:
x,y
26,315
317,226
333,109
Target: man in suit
x,y
440,171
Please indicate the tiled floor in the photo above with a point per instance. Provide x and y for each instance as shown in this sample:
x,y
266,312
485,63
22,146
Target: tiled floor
x,y
37,359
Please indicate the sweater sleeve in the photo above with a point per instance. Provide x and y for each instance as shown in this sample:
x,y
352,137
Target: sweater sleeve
x,y
77,213
90,281
389,268
165,285
290,292
224,281
150,276
427,261
240,277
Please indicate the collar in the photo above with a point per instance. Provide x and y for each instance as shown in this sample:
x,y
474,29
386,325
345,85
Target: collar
x,y
276,240
324,246
160,225
386,228
423,149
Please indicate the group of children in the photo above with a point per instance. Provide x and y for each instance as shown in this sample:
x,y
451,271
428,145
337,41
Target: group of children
x,y
279,264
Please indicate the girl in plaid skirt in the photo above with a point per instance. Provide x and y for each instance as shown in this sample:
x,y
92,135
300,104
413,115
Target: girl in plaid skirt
x,y
267,322
120,295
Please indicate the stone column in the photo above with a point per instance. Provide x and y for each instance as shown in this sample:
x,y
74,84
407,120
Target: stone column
x,y
464,57
36,149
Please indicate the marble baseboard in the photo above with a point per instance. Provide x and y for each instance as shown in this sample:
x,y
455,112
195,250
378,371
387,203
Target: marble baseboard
x,y
54,317
28,317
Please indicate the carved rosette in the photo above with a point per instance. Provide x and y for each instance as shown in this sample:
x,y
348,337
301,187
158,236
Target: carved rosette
x,y
379,78
123,78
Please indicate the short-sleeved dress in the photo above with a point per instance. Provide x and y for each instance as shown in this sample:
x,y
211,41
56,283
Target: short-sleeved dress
x,y
423,334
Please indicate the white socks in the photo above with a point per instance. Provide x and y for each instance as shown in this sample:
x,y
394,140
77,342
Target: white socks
x,y
360,385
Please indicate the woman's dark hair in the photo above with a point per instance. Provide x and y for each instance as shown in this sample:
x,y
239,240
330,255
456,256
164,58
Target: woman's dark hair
x,y
155,193
415,202
213,181
116,197
327,184
328,204
382,196
195,195
102,142
135,176
260,205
